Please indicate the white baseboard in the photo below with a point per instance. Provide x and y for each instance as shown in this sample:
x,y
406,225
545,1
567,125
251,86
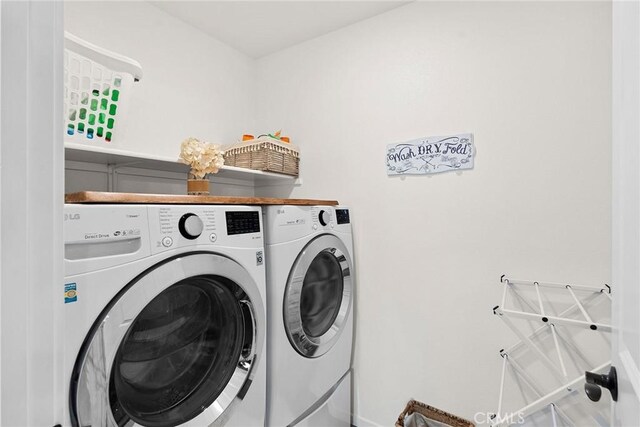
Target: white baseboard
x,y
363,422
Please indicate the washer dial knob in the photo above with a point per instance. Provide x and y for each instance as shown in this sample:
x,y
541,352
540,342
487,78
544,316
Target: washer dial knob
x,y
190,226
324,217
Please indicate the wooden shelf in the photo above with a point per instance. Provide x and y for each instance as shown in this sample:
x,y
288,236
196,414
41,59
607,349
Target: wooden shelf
x,y
122,158
167,199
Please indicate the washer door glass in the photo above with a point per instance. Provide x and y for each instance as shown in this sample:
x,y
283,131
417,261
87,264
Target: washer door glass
x,y
178,355
318,296
170,349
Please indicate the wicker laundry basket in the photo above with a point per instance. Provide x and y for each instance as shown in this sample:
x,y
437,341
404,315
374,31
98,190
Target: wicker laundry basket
x,y
264,154
432,413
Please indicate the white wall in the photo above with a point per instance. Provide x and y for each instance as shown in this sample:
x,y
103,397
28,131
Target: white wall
x,y
626,209
31,176
532,81
193,85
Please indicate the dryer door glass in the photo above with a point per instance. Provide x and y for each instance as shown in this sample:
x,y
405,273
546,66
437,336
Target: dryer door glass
x,y
179,353
321,294
317,298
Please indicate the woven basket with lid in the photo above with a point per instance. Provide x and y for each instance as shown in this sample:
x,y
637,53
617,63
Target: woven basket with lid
x,y
264,154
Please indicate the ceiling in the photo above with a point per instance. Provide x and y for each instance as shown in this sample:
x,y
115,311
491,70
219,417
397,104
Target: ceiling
x,y
259,28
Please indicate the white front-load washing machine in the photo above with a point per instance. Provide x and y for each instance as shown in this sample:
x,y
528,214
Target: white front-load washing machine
x,y
310,315
164,316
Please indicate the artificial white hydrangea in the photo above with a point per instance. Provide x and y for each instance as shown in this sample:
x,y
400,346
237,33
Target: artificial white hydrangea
x,y
203,157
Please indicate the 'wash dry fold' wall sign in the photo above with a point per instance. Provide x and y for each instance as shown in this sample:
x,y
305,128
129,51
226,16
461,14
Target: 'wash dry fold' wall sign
x,y
433,154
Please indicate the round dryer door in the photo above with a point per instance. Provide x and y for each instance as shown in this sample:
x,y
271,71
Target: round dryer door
x,y
317,298
178,344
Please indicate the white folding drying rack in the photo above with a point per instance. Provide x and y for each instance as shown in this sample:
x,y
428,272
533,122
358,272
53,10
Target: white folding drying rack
x,y
557,369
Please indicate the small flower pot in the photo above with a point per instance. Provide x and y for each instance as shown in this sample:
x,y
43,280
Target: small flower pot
x,y
197,186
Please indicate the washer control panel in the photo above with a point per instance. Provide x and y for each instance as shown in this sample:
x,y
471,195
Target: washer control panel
x,y
176,226
167,242
190,226
242,222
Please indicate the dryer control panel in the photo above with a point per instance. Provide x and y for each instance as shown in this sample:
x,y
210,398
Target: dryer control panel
x,y
342,216
285,223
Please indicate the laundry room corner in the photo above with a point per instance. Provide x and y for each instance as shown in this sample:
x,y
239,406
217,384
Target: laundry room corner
x,y
183,79
193,86
532,82
319,213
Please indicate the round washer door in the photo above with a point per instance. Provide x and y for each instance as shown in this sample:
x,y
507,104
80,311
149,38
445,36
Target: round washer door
x,y
177,344
317,298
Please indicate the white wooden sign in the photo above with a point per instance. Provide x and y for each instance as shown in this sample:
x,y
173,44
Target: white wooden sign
x,y
429,155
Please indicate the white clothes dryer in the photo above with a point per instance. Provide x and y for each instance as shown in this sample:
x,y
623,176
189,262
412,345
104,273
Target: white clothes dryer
x,y
164,316
309,310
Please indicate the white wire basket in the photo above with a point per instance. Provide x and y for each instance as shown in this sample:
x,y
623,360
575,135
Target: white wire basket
x,y
97,91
